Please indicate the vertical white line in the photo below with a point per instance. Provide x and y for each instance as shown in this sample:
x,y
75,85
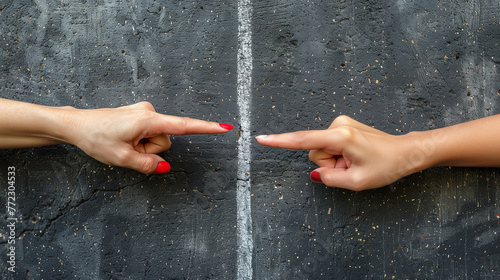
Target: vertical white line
x,y
243,190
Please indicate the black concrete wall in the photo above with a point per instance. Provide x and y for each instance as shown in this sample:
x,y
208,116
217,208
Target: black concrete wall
x,y
397,65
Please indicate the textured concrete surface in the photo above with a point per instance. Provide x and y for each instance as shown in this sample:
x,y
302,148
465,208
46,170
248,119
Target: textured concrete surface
x,y
396,65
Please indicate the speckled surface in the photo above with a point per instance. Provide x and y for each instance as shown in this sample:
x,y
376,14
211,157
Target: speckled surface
x,y
396,65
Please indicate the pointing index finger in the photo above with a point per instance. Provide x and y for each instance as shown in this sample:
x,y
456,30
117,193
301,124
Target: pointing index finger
x,y
303,140
173,125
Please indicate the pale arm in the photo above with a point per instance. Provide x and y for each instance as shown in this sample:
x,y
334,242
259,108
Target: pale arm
x,y
128,136
354,156
475,143
30,125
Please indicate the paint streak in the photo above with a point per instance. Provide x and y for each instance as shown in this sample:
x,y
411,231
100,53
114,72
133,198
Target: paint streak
x,y
243,192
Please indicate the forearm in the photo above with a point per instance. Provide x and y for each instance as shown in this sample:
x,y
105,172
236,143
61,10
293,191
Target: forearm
x,y
30,125
472,144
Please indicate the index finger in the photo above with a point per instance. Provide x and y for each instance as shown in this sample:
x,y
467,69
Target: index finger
x,y
304,140
173,125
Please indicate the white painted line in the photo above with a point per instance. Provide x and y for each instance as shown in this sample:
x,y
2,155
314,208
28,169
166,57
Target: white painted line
x,y
243,190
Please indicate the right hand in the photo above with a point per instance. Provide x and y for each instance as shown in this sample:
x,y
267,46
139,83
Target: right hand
x,y
131,136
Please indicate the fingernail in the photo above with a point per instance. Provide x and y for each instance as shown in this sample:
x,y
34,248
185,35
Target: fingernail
x,y
226,126
316,177
163,167
260,137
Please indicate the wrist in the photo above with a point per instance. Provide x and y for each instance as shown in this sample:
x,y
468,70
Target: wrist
x,y
421,150
63,124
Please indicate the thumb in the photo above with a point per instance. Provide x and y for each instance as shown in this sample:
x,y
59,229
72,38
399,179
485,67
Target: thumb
x,y
148,163
335,177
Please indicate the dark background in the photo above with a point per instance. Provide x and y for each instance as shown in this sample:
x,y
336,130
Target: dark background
x,y
396,65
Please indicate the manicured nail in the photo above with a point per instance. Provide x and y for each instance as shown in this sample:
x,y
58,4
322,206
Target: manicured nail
x,y
316,177
163,167
226,126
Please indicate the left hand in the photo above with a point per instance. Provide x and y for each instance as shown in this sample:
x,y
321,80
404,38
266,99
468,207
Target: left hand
x,y
350,155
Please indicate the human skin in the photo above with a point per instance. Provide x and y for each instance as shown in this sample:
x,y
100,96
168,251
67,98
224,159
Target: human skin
x,y
357,157
128,136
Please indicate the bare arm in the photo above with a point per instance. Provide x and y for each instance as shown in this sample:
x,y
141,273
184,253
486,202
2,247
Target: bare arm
x,y
128,136
475,143
29,125
354,156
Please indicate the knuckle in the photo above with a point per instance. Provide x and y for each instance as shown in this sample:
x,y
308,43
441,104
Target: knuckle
x,y
122,157
145,105
311,155
359,183
301,138
345,133
162,143
342,120
317,156
329,180
130,160
168,144
184,124
144,115
147,166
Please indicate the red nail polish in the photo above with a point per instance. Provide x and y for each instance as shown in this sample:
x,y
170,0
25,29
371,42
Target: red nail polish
x,y
316,177
163,167
226,126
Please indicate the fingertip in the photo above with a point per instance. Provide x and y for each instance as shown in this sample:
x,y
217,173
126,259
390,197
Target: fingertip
x,y
316,177
260,138
162,168
226,126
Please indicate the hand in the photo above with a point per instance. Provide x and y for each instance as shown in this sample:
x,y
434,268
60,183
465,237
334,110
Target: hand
x,y
351,155
131,136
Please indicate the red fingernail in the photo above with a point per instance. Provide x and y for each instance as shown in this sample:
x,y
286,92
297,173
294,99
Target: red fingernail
x,y
226,126
163,167
316,177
